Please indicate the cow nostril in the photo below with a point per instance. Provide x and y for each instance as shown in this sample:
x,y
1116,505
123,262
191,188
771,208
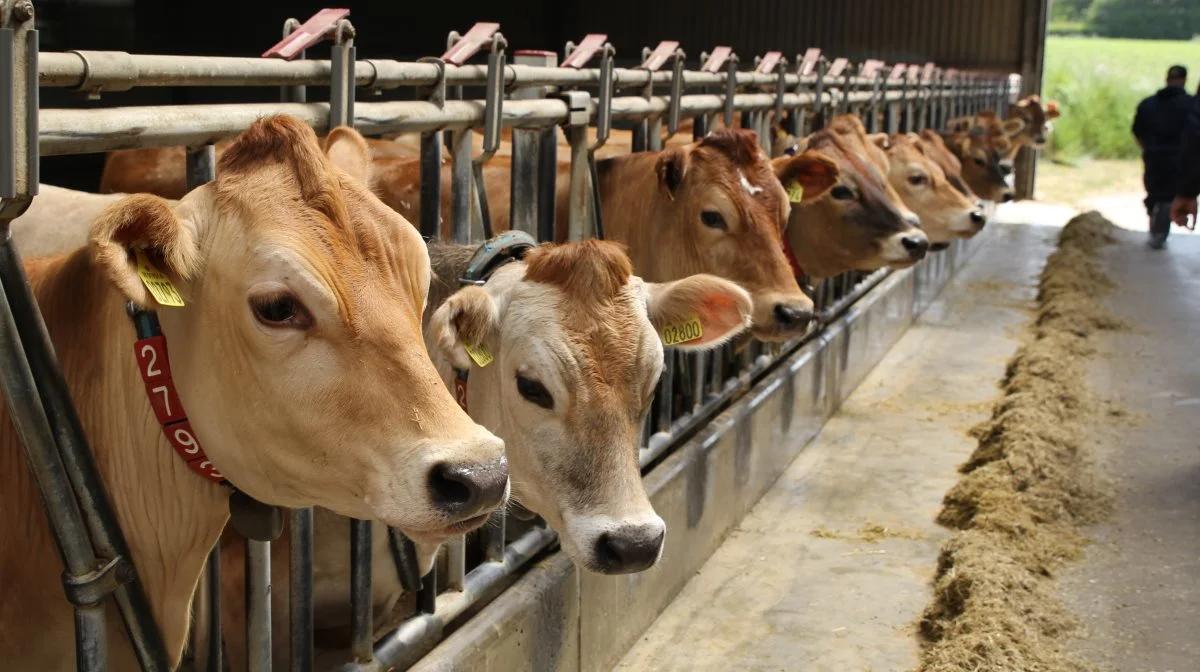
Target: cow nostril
x,y
1007,196
917,246
628,550
468,489
977,217
791,317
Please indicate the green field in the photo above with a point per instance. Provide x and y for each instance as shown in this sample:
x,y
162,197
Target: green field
x,y
1098,83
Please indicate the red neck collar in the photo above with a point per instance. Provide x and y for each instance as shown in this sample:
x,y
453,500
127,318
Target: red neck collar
x,y
791,257
151,352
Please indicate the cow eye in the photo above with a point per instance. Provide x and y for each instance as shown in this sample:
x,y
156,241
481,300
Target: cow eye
x,y
534,392
917,180
842,193
280,310
980,162
713,220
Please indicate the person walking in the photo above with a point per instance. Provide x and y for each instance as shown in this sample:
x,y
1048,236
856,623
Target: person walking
x,y
1159,128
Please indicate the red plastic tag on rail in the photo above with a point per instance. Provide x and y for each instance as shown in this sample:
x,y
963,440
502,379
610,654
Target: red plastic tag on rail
x,y
592,42
769,60
839,64
658,57
312,31
716,59
898,72
871,67
927,73
468,45
809,62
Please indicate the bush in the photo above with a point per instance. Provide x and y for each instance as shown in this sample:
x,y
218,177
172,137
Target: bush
x,y
1145,19
1067,28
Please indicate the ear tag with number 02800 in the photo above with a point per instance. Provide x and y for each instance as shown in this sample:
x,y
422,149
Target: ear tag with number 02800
x,y
682,332
795,192
156,281
480,354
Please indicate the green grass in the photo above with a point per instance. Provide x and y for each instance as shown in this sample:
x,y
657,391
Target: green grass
x,y
1098,84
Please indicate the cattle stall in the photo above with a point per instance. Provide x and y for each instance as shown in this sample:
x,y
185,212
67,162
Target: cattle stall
x,y
722,426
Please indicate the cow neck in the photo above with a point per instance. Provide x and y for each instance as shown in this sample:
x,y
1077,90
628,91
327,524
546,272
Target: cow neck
x,y
639,213
807,237
170,518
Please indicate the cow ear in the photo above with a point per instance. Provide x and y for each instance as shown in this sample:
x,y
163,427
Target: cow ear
x,y
347,149
880,139
1051,110
146,223
670,168
811,170
467,319
1012,127
959,124
698,312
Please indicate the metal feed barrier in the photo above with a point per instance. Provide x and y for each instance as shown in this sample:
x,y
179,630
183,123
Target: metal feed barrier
x,y
532,95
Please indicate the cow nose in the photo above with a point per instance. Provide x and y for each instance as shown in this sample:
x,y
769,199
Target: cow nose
x,y
977,217
630,548
467,490
917,246
792,317
1006,197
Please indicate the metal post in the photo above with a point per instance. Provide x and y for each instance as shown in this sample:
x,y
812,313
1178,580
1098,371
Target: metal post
x,y
361,628
293,94
526,151
258,606
300,574
431,159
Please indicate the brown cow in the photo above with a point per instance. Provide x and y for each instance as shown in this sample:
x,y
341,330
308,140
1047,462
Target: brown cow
x,y
945,212
981,151
1036,118
853,226
297,356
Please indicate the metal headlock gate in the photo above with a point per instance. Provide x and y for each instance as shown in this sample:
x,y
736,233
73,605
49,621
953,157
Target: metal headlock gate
x,y
532,95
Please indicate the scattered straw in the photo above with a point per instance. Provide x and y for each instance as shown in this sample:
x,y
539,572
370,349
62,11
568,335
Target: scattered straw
x,y
870,533
1028,487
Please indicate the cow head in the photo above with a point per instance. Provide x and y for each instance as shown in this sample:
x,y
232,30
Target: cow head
x,y
568,397
298,355
851,225
945,212
981,156
1036,119
727,214
854,136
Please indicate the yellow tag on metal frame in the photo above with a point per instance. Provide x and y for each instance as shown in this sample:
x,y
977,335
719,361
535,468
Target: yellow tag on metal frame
x,y
480,354
795,192
157,282
682,332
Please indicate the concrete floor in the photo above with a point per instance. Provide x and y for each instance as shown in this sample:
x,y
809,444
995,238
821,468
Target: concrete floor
x,y
809,581
1138,589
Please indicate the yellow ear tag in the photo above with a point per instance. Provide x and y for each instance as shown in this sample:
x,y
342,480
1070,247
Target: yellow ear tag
x,y
682,332
480,354
156,281
795,192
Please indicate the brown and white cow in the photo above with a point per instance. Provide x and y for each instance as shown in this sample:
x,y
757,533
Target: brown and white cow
x,y
853,225
854,135
566,397
945,212
298,359
1036,117
981,154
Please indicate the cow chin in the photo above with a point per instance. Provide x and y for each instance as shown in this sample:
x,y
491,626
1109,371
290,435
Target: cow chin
x,y
614,545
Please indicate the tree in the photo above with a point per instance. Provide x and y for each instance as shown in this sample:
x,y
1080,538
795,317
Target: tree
x,y
1069,10
1145,19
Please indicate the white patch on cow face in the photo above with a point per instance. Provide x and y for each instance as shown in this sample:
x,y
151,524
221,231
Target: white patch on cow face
x,y
575,462
750,188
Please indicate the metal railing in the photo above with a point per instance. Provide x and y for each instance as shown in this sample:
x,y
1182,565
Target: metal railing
x,y
531,96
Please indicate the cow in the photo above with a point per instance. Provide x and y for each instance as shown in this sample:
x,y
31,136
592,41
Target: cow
x,y
296,357
946,213
934,146
1036,119
566,398
854,134
57,220
981,151
851,224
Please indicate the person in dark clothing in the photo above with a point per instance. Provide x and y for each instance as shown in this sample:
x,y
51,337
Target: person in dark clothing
x,y
1183,208
1158,126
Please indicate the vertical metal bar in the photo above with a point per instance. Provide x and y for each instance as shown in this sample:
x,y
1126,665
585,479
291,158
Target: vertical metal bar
x,y
698,369
215,650
666,392
293,94
361,628
461,192
9,154
526,152
431,184
580,187
494,539
258,606
456,556
547,181
427,596
300,574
